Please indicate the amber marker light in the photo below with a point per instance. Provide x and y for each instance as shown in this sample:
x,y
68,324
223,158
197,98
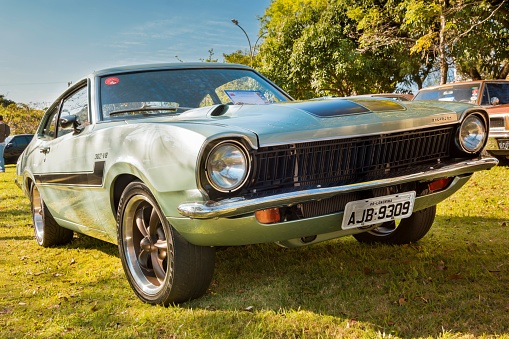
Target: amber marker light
x,y
268,216
439,184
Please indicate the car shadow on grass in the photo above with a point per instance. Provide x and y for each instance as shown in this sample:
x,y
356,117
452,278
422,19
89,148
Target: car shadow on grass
x,y
449,281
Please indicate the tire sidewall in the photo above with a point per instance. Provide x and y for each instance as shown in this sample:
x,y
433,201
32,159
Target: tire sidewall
x,y
163,292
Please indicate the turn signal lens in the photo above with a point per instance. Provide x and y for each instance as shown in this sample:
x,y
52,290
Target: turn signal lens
x,y
268,216
439,184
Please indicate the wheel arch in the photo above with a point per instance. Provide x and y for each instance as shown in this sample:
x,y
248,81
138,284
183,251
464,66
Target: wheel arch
x,y
119,185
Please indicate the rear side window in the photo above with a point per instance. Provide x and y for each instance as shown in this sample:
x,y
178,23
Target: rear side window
x,y
496,90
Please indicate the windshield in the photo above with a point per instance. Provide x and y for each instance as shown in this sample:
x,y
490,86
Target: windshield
x,y
461,93
174,91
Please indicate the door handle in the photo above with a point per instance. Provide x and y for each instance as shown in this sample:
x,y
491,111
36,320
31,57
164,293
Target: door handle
x,y
44,149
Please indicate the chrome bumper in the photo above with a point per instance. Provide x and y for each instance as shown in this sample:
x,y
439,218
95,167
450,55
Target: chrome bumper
x,y
240,206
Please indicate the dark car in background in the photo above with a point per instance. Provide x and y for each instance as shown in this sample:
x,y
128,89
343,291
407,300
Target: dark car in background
x,y
15,145
492,95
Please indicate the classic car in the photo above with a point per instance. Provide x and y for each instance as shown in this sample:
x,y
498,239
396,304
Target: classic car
x,y
492,95
172,161
14,146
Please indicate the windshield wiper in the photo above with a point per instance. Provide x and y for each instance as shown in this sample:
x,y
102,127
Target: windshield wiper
x,y
148,109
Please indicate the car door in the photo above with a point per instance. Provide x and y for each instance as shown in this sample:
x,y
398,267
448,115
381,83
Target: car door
x,y
62,169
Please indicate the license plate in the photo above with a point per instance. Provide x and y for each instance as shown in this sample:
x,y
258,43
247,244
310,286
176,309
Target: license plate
x,y
503,144
372,211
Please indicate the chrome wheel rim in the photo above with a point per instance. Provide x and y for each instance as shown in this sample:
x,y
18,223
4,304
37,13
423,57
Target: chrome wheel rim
x,y
145,245
37,213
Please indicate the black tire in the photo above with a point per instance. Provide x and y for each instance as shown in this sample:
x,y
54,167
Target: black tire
x,y
409,230
161,266
47,232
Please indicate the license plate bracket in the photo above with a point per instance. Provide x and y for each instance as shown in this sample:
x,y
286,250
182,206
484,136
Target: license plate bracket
x,y
361,213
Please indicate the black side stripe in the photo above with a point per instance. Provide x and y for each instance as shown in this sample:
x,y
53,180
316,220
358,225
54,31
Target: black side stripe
x,y
94,178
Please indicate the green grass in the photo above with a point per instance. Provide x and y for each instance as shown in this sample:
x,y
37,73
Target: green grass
x,y
454,283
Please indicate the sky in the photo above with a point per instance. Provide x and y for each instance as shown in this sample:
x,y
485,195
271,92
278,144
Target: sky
x,y
45,44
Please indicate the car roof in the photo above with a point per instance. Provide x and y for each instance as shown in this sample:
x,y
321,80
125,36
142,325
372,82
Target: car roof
x,y
462,83
168,66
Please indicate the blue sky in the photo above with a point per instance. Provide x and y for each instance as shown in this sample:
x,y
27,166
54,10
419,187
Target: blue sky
x,y
48,43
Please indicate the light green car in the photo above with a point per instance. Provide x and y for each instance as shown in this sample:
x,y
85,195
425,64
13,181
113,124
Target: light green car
x,y
171,161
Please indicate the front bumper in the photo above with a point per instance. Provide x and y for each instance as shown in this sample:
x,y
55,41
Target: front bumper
x,y
240,206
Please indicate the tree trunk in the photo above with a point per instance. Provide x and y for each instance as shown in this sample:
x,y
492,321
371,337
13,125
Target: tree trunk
x,y
504,72
474,74
444,67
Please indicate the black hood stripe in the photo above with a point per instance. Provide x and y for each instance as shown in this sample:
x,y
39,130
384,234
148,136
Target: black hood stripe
x,y
339,107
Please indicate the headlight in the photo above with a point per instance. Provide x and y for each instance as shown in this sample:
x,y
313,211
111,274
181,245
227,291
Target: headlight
x,y
472,133
227,166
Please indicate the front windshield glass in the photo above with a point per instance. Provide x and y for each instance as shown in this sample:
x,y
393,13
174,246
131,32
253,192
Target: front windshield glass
x,y
460,93
175,91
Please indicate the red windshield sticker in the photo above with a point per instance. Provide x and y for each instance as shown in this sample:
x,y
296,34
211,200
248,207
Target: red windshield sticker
x,y
111,81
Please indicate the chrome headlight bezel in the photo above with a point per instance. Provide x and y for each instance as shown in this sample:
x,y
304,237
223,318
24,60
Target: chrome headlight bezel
x,y
233,170
472,133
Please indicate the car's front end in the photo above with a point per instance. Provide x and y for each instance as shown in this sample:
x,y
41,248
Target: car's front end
x,y
296,192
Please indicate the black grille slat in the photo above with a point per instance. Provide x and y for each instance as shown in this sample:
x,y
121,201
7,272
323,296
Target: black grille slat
x,y
342,161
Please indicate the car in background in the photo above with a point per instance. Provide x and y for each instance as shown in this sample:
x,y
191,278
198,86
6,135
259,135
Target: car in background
x,y
492,95
171,161
14,146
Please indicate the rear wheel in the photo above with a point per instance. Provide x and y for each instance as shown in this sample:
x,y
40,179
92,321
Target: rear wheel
x,y
408,230
160,265
47,231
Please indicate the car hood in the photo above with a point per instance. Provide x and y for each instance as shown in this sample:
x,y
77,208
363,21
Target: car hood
x,y
325,119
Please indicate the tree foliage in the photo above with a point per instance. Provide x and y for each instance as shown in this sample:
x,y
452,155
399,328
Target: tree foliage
x,y
469,34
21,118
4,102
344,47
311,49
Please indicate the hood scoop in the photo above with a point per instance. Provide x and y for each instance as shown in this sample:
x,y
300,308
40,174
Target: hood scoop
x,y
339,107
218,110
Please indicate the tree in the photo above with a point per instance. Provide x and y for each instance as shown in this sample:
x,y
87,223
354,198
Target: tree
x,y
239,57
469,34
21,118
312,49
4,101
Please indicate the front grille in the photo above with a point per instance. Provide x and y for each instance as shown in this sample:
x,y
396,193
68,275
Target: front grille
x,y
497,122
345,161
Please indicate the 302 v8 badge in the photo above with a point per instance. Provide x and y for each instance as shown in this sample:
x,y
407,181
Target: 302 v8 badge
x,y
377,210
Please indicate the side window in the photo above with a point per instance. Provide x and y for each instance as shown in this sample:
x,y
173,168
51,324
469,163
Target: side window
x,y
499,90
15,142
76,104
23,141
49,128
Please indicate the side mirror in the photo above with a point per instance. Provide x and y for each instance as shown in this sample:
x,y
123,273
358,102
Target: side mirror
x,y
9,145
495,101
71,121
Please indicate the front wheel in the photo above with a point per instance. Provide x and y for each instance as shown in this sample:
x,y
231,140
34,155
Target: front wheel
x,y
160,265
408,230
47,231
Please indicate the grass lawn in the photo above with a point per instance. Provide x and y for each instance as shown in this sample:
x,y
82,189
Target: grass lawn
x,y
454,283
